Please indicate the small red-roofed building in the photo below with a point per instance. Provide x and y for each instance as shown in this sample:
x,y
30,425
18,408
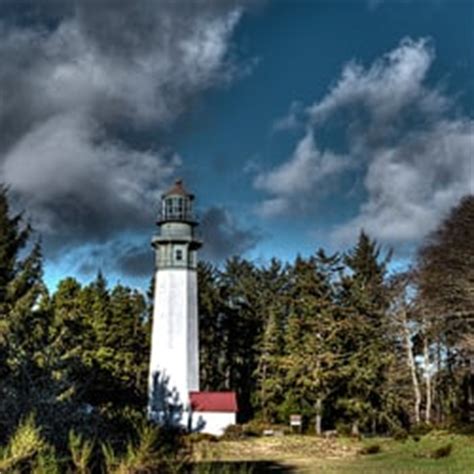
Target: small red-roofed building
x,y
213,412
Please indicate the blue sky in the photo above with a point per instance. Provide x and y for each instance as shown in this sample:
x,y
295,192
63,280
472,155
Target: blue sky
x,y
295,123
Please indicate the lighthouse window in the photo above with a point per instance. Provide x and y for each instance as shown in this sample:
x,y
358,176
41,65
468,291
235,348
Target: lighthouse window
x,y
169,207
179,255
180,208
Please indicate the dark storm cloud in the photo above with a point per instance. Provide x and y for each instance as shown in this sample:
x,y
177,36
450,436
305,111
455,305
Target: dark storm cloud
x,y
72,74
132,256
224,236
136,261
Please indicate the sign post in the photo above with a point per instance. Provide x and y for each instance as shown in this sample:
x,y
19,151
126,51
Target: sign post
x,y
296,423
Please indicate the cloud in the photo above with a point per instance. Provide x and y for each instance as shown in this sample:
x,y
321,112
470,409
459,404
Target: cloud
x,y
81,185
292,120
136,261
412,146
307,168
378,100
131,255
413,184
78,79
224,236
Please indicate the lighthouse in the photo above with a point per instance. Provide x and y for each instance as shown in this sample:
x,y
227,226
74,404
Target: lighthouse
x,y
174,361
173,392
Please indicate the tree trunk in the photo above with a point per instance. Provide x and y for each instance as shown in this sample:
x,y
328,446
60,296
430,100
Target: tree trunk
x,y
355,429
426,356
470,388
412,367
318,423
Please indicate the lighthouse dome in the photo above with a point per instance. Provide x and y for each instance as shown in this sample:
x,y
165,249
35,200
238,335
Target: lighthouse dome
x,y
177,205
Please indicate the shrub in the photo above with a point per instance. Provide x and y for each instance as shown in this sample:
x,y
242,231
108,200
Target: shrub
x,y
343,428
255,427
155,450
400,434
233,432
201,437
24,447
370,449
81,452
421,429
442,451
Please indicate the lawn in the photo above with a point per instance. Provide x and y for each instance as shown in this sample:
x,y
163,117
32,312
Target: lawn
x,y
307,454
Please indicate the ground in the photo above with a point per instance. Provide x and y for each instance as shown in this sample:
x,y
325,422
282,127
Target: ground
x,y
308,454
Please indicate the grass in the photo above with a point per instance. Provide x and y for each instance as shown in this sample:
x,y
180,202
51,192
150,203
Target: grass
x,y
307,454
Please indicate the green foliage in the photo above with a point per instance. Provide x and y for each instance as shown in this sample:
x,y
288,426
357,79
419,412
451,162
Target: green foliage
x,y
153,450
442,451
28,451
370,449
233,432
81,452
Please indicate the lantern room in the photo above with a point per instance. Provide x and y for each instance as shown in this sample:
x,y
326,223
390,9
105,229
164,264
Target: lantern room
x,y
177,205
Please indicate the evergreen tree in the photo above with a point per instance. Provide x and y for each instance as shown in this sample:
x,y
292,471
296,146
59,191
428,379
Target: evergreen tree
x,y
368,340
210,304
273,306
241,330
446,303
311,340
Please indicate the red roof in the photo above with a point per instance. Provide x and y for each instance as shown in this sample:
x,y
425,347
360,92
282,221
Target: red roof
x,y
213,401
178,189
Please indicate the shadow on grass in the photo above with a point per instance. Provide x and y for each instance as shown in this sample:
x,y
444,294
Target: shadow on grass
x,y
241,467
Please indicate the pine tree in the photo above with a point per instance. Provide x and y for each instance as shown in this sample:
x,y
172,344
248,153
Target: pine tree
x,y
24,319
269,393
311,340
368,340
242,327
211,331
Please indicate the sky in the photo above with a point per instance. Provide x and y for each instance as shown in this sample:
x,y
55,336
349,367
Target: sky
x,y
296,123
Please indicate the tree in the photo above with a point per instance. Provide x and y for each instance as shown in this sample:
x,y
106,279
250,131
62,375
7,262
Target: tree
x,y
446,301
242,328
364,303
23,321
311,338
273,306
211,348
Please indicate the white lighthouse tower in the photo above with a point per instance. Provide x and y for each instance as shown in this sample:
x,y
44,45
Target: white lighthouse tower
x,y
174,396
174,363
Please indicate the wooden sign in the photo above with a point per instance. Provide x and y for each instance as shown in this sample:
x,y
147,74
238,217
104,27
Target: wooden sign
x,y
295,420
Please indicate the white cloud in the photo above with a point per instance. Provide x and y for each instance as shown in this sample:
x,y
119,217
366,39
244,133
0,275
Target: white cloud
x,y
307,167
389,87
416,153
412,185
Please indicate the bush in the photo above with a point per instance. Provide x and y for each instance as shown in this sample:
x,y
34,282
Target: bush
x,y
371,449
233,433
421,429
27,449
400,434
155,450
343,428
201,437
81,452
442,451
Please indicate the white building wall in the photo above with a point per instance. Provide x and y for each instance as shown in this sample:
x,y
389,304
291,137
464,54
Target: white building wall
x,y
212,422
174,347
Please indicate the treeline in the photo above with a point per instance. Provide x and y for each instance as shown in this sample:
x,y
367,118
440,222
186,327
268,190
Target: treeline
x,y
342,341
335,338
